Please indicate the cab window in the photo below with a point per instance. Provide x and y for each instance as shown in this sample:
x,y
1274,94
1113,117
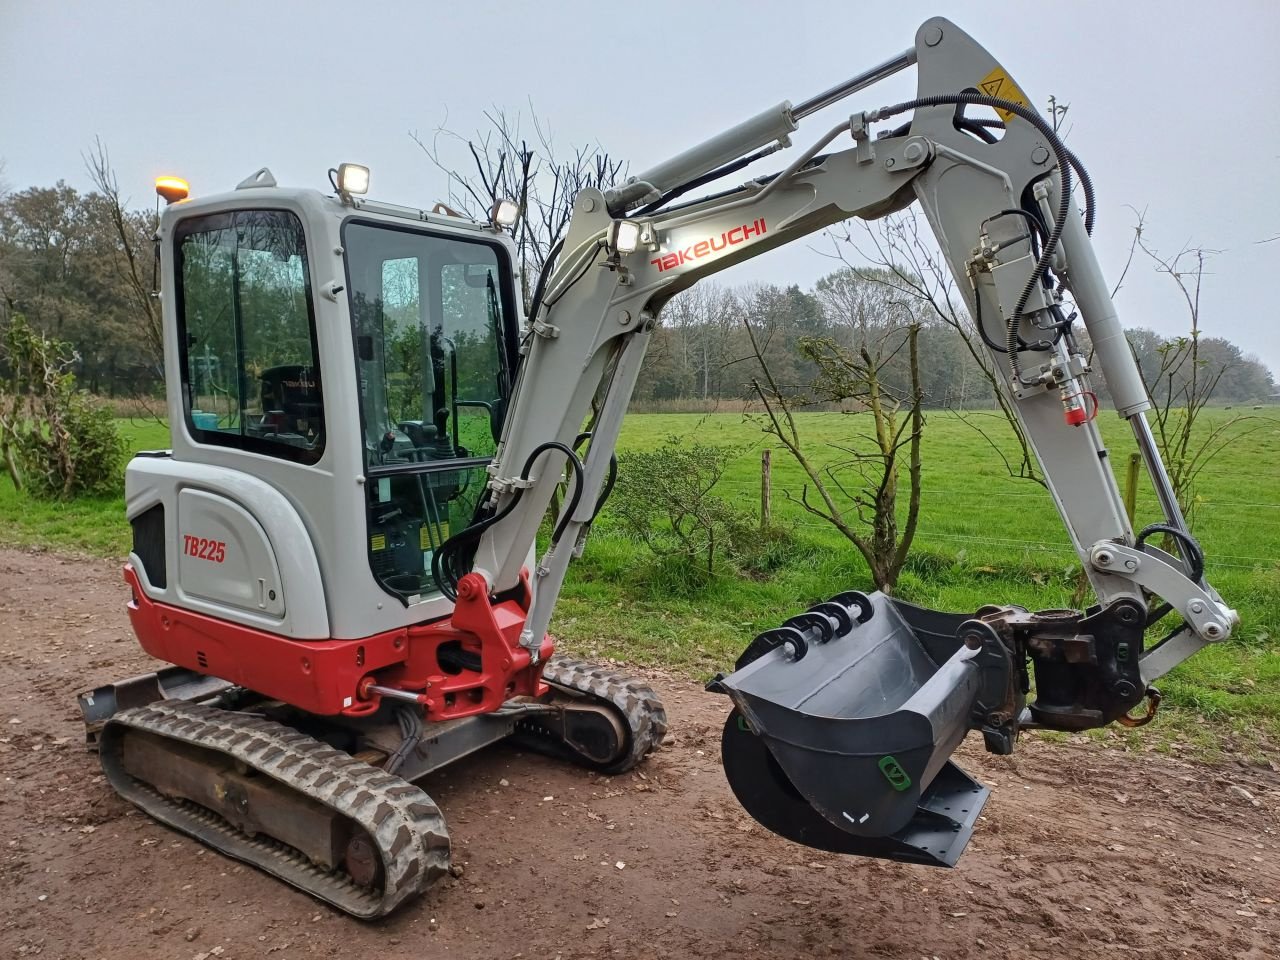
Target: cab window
x,y
433,351
246,326
430,344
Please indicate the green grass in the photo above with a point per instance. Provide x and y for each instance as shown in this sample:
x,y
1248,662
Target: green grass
x,y
93,525
984,538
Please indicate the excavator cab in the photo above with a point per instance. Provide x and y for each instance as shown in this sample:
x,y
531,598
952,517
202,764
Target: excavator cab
x,y
398,368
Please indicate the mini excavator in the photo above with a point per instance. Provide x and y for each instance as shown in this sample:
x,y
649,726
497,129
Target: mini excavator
x,y
339,555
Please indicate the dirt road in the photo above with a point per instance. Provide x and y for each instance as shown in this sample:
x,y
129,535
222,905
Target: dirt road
x,y
1082,852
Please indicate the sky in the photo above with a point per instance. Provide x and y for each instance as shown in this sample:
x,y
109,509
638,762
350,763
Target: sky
x,y
1172,103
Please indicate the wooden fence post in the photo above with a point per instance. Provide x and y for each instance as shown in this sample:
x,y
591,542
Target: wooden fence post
x,y
766,489
1131,486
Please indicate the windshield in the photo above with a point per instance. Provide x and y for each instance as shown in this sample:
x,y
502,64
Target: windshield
x,y
432,350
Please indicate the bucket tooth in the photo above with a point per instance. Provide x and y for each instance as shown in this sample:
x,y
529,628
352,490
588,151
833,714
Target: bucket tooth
x,y
841,739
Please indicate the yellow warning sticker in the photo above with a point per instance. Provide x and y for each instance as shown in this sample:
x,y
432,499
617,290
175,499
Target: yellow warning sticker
x,y
424,535
378,542
998,83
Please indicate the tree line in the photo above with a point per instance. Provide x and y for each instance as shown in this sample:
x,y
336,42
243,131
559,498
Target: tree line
x,y
701,354
78,266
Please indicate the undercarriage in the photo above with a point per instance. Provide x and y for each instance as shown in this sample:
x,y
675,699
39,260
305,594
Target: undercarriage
x,y
328,804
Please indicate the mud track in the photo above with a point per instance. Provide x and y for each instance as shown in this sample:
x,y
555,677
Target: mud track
x,y
1083,851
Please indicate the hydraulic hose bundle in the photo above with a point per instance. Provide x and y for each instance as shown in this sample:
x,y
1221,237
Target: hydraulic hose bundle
x,y
1064,158
453,559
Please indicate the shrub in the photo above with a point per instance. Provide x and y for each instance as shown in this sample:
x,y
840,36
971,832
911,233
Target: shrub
x,y
663,499
56,440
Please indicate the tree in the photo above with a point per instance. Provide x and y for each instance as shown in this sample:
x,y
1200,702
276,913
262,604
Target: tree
x,y
908,262
132,231
852,306
1183,374
60,256
781,319
865,512
43,230
702,320
54,440
542,181
664,499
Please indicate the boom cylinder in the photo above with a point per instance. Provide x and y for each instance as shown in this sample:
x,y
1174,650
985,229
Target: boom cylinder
x,y
860,82
773,124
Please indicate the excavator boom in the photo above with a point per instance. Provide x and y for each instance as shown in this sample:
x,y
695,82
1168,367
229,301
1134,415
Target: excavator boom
x,y
845,716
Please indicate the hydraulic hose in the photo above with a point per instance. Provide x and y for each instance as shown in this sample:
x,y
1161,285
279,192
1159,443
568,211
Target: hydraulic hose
x,y
544,275
1191,552
410,722
1063,157
1086,184
976,124
710,177
576,463
610,480
445,566
1188,546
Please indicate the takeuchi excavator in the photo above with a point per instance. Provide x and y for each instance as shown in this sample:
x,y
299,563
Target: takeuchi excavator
x,y
339,555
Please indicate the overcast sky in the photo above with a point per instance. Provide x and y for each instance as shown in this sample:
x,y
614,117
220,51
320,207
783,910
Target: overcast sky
x,y
1173,103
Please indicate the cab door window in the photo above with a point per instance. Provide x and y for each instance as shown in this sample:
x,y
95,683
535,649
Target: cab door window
x,y
434,346
432,354
246,327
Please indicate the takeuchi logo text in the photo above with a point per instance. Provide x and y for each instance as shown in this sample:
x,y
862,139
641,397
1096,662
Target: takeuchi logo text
x,y
705,248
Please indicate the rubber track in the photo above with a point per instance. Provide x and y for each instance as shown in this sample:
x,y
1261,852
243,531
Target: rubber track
x,y
405,825
635,701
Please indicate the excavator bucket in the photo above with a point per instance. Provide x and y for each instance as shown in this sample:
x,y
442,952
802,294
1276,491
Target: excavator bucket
x,y
845,719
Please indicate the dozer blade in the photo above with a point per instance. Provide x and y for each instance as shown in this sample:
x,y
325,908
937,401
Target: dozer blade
x,y
845,719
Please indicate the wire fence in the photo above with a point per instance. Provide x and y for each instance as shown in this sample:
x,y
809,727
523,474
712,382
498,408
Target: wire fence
x,y
1210,508
1213,506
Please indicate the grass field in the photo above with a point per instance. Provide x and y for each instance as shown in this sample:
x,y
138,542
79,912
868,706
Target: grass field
x,y
984,538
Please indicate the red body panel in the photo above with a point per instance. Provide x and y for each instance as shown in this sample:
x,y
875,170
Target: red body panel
x,y
332,676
